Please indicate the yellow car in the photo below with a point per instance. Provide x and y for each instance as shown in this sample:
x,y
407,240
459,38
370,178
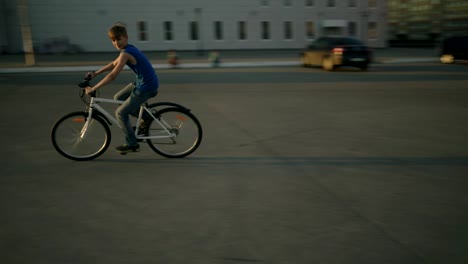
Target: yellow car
x,y
333,52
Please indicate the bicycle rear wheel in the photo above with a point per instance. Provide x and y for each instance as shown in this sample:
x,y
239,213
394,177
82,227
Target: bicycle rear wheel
x,y
185,127
75,138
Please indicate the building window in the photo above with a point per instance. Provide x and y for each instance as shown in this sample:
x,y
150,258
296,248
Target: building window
x,y
310,30
352,28
265,30
288,30
330,31
372,30
309,2
287,3
193,30
142,31
218,30
372,3
330,3
168,35
242,30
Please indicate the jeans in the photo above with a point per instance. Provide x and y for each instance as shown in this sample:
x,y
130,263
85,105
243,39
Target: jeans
x,y
134,98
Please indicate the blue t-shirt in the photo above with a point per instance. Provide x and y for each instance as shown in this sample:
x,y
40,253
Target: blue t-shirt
x,y
146,78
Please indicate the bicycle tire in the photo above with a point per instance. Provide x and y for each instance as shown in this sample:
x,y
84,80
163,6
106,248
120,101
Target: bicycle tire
x,y
184,124
71,141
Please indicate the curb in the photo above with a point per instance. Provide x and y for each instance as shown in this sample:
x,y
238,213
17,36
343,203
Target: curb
x,y
56,69
195,65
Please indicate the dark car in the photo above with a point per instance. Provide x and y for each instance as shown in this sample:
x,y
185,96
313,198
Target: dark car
x,y
454,48
332,52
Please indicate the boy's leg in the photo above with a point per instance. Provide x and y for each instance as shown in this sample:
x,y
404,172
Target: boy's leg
x,y
125,92
131,105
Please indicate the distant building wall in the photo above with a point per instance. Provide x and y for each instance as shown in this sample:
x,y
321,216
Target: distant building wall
x,y
425,22
58,26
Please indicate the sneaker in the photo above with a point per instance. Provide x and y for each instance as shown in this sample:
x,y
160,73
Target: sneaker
x,y
124,149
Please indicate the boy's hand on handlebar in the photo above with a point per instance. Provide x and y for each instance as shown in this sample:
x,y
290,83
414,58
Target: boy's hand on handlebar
x,y
89,90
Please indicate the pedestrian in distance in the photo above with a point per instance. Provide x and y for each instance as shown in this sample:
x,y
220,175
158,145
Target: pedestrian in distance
x,y
215,59
172,59
145,87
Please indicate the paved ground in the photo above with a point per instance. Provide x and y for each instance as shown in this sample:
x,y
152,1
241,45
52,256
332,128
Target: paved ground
x,y
296,166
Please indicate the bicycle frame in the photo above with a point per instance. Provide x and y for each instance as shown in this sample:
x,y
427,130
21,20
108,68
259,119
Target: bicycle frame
x,y
94,106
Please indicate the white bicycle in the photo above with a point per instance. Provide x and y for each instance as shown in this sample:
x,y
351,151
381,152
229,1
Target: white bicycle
x,y
171,131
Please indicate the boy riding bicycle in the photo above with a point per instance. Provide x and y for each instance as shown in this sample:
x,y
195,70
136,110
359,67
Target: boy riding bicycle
x,y
145,87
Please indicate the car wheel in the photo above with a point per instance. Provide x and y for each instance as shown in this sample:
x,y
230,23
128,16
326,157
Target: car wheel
x,y
327,63
447,58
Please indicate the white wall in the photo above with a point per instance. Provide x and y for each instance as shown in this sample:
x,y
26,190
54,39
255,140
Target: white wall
x,y
85,22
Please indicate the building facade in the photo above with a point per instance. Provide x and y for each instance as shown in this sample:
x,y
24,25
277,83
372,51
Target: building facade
x,y
426,21
194,24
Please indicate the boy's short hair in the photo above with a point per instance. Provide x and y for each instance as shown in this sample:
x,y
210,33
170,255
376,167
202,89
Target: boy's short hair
x,y
117,31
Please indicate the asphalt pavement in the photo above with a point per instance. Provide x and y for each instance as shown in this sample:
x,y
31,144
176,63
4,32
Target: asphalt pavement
x,y
14,63
296,166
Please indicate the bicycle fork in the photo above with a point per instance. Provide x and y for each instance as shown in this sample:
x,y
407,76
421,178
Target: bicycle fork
x,y
86,125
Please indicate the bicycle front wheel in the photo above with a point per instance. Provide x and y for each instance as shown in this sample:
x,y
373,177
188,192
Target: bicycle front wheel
x,y
185,129
77,138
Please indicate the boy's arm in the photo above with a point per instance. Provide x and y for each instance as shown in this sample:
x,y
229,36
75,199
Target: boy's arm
x,y
115,67
108,67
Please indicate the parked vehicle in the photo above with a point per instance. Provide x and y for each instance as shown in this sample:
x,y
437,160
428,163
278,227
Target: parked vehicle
x,y
454,48
332,52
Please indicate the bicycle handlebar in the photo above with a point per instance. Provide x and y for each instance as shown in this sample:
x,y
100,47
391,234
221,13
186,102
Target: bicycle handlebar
x,y
85,83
